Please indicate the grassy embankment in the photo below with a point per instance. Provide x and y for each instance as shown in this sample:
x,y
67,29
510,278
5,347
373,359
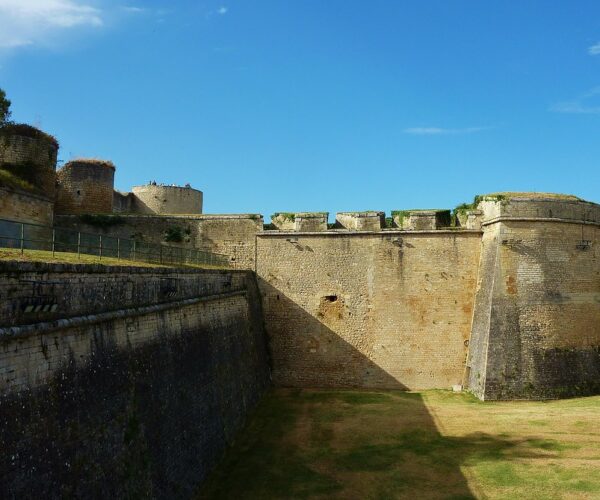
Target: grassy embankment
x,y
73,258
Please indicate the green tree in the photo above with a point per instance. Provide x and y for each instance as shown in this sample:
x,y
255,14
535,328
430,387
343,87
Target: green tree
x,y
4,108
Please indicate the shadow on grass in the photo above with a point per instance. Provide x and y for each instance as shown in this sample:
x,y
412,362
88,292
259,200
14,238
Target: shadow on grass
x,y
335,443
306,443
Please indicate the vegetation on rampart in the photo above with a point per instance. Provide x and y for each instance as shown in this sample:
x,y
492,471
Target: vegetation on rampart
x,y
91,161
176,234
103,221
284,216
10,180
25,176
25,130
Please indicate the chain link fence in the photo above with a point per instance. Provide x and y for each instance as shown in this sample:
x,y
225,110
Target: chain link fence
x,y
24,236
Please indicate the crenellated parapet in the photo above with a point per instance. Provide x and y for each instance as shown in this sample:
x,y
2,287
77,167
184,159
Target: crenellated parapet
x,y
422,220
376,220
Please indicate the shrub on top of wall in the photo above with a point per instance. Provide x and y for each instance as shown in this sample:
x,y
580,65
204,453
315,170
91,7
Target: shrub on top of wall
x,y
92,161
25,130
101,220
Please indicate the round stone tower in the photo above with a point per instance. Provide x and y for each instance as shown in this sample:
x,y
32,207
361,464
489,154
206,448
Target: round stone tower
x,y
85,186
30,155
159,199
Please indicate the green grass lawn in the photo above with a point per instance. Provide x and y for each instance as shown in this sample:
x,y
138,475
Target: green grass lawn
x,y
390,444
74,258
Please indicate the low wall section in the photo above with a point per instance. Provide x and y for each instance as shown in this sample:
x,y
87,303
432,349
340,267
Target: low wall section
x,y
230,235
22,206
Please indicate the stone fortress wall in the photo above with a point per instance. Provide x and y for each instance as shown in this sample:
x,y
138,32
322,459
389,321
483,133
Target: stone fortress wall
x,y
368,309
123,381
507,306
154,370
504,301
536,326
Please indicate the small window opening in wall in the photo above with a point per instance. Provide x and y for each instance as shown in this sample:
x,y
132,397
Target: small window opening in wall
x,y
78,192
331,298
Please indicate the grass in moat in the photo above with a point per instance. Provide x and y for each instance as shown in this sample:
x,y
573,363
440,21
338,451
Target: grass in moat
x,y
74,258
389,444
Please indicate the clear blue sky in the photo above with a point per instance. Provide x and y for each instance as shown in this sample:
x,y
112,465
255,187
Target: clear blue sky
x,y
309,105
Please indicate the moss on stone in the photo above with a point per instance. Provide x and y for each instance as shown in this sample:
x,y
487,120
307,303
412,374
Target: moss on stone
x,y
285,216
25,176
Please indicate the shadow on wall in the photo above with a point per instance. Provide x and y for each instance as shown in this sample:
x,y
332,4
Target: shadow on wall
x,y
147,421
307,353
316,439
289,452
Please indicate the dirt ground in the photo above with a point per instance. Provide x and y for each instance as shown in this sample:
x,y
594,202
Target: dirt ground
x,y
391,444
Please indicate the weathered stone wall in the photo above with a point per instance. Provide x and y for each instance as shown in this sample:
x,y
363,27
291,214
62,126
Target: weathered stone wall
x,y
389,309
32,292
230,235
32,159
156,199
22,206
134,402
536,332
85,187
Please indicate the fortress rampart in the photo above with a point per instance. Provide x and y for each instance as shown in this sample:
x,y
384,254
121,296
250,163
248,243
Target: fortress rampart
x,y
368,309
500,297
536,327
505,303
145,378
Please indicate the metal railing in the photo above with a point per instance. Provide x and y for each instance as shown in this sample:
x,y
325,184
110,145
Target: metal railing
x,y
25,236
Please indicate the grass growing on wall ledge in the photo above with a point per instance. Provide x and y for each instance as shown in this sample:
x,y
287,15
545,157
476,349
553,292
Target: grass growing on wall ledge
x,y
8,254
25,130
10,180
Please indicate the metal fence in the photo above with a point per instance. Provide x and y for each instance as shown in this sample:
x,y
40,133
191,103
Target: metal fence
x,y
24,236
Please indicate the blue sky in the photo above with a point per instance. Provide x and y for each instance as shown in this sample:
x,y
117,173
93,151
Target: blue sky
x,y
309,105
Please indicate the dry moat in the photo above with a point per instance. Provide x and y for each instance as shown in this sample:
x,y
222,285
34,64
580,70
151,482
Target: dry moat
x,y
305,357
391,444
